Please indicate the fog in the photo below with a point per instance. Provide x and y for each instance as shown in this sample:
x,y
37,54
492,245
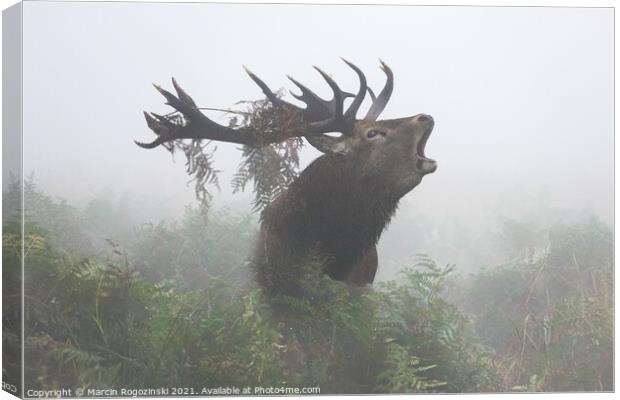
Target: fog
x,y
522,99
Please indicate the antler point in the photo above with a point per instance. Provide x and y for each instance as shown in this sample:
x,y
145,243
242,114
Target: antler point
x,y
320,71
247,71
144,145
384,66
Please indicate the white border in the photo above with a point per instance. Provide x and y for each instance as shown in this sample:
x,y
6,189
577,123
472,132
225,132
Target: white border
x,y
538,3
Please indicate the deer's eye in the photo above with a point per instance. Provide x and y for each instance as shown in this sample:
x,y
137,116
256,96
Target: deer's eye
x,y
374,133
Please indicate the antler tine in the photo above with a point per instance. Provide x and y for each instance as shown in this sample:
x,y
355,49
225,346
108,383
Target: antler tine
x,y
372,95
381,101
154,122
338,94
316,108
173,101
361,93
183,96
275,100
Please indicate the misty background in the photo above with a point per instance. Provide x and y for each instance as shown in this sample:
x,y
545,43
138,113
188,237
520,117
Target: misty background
x,y
522,99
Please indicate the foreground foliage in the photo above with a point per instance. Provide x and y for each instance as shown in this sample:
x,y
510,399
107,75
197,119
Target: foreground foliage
x,y
174,305
550,315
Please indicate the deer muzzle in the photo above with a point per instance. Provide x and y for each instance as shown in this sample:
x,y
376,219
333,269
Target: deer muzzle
x,y
424,164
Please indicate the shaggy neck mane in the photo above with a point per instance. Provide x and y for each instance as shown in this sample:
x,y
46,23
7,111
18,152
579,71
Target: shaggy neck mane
x,y
330,206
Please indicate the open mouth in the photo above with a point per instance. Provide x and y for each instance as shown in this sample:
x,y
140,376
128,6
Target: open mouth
x,y
423,163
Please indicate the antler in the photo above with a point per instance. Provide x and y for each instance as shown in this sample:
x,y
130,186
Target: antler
x,y
321,116
196,125
379,103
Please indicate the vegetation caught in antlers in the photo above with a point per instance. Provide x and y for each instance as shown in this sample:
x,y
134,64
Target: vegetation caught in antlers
x,y
270,159
271,131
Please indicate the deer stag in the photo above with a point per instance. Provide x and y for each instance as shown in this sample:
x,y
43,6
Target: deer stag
x,y
339,205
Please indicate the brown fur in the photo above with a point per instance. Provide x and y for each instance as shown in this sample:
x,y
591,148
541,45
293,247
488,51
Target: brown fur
x,y
328,211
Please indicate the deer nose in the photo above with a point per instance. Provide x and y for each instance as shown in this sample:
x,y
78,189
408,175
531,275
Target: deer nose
x,y
424,118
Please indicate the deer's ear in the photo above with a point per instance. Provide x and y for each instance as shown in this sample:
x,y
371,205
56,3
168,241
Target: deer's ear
x,y
328,144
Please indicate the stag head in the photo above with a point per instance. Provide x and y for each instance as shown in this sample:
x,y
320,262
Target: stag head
x,y
388,150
